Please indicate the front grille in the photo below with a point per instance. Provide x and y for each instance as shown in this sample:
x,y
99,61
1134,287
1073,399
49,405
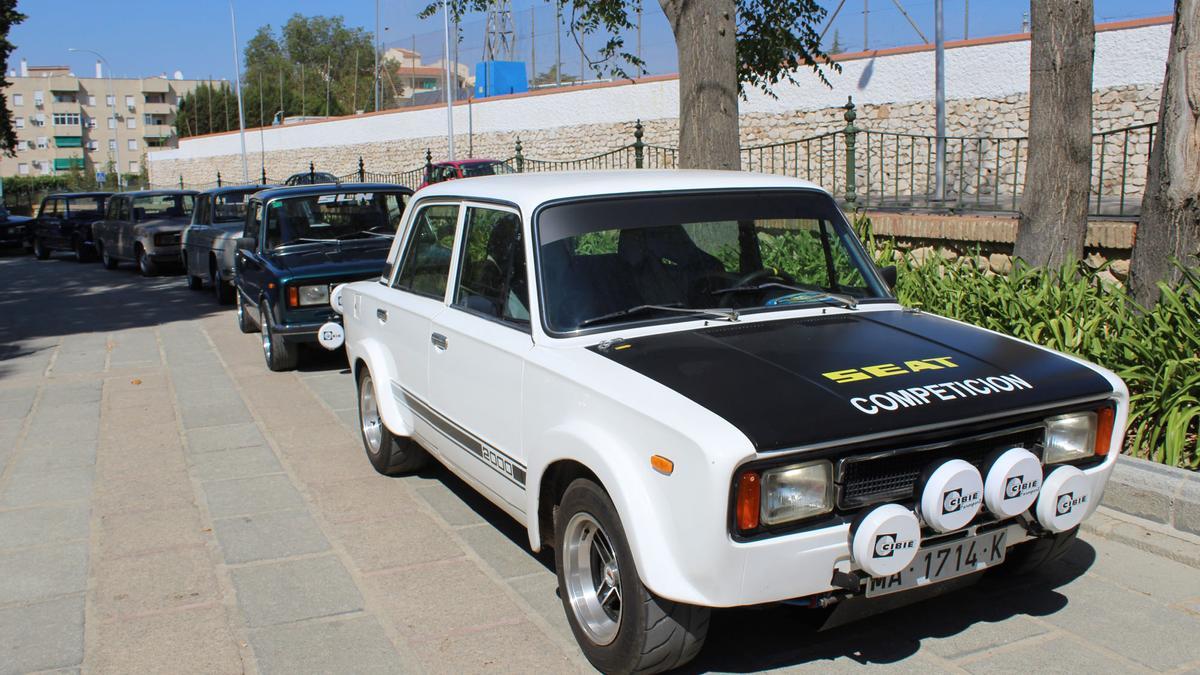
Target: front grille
x,y
892,475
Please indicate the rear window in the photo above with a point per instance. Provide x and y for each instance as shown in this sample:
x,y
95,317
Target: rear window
x,y
86,207
162,206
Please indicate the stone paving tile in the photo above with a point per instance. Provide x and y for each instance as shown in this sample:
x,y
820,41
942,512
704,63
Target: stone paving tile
x,y
48,428
56,396
214,414
167,489
452,509
541,592
1155,576
139,531
332,464
196,640
355,645
234,463
265,536
10,393
507,558
224,437
515,647
15,409
403,539
152,582
44,572
361,499
294,590
41,636
251,495
417,602
1060,655
43,525
52,486
42,454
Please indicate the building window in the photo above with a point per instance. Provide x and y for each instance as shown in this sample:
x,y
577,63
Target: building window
x,y
131,123
93,145
66,98
91,100
112,144
110,100
39,120
38,99
42,142
19,99
135,167
112,123
129,102
67,119
23,169
132,144
20,122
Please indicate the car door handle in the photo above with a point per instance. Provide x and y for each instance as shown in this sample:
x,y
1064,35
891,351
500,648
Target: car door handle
x,y
439,341
381,314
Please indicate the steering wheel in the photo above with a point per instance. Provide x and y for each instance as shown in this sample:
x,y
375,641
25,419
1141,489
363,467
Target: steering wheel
x,y
753,279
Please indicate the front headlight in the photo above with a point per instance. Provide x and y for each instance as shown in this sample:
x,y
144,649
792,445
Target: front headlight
x,y
797,491
1070,437
313,295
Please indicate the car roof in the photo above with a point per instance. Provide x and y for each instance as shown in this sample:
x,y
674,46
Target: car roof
x,y
154,193
464,162
330,188
530,190
237,188
77,195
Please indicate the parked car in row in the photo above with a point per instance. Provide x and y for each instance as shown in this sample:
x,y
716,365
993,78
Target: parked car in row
x,y
464,168
310,178
297,242
699,389
14,229
210,242
144,227
64,223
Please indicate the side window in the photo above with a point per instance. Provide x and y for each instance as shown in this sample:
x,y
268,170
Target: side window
x,y
492,280
111,211
200,214
253,221
49,208
272,234
123,209
426,265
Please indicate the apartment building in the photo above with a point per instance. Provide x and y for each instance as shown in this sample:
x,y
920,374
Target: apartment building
x,y
96,124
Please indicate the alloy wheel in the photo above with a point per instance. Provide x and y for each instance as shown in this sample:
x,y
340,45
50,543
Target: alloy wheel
x,y
368,411
593,578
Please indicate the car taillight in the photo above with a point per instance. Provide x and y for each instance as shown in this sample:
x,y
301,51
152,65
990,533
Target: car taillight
x,y
749,489
1105,418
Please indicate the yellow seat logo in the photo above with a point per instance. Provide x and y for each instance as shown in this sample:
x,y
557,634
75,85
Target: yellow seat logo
x,y
889,369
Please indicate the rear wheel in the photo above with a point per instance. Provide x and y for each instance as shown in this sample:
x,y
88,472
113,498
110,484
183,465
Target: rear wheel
x,y
277,352
109,262
39,249
194,282
391,455
82,252
245,321
145,265
621,626
222,289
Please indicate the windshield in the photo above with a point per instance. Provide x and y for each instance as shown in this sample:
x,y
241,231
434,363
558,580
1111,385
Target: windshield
x,y
334,217
162,206
86,207
230,207
644,258
485,169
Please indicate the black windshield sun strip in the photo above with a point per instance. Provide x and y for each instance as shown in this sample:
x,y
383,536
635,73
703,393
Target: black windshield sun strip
x,y
638,309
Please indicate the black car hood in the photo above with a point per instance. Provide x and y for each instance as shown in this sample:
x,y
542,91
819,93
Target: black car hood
x,y
794,382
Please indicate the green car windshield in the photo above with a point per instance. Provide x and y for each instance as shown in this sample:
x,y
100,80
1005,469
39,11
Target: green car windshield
x,y
663,257
340,216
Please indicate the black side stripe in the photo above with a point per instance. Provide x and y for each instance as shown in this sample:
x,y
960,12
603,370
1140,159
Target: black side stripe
x,y
491,457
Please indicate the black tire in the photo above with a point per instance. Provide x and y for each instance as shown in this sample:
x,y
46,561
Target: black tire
x,y
39,249
278,354
653,634
109,262
396,455
194,282
82,252
1031,557
244,319
222,289
145,265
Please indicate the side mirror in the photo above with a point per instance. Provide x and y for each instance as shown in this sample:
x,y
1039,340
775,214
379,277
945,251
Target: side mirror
x,y
889,275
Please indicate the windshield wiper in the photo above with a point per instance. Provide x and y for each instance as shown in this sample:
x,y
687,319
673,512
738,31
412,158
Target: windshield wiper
x,y
727,314
847,301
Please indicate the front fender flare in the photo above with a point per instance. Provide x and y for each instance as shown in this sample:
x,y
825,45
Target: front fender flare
x,y
396,417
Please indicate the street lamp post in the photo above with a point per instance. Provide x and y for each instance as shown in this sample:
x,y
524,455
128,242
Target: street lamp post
x,y
112,93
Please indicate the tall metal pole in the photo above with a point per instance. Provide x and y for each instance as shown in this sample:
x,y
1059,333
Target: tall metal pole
x,y
966,19
112,93
354,104
449,87
281,113
532,45
262,124
939,69
641,66
866,12
328,79
237,72
376,50
557,44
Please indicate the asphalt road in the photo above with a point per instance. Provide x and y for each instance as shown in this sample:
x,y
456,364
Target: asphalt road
x,y
169,505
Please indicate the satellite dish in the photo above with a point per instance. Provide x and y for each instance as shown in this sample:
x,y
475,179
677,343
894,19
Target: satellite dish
x,y
179,74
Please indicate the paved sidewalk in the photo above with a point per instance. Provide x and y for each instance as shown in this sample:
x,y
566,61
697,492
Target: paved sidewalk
x,y
168,505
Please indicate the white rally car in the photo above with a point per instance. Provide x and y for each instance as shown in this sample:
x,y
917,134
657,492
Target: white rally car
x,y
699,390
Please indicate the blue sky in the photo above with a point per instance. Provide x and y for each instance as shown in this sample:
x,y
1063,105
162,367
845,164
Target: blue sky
x,y
140,37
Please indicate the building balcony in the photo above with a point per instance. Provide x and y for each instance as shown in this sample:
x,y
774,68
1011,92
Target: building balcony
x,y
156,85
157,131
63,83
68,141
157,108
67,163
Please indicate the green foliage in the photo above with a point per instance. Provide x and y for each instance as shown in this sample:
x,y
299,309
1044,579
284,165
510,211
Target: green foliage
x,y
208,109
1156,351
9,17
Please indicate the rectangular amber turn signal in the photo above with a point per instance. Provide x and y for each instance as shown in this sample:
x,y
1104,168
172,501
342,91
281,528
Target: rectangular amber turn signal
x,y
748,496
662,465
1104,429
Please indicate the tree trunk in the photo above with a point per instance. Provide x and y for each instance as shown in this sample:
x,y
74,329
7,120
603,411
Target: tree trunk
x,y
1169,226
706,40
1053,219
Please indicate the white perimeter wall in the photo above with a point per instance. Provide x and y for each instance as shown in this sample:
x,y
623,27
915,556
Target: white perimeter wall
x,y
1123,57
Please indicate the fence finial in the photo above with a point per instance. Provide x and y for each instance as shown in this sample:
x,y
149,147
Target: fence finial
x,y
218,179
180,181
639,148
311,171
428,158
362,173
519,157
851,132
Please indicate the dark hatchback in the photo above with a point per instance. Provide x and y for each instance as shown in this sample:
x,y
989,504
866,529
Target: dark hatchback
x,y
14,230
64,223
299,242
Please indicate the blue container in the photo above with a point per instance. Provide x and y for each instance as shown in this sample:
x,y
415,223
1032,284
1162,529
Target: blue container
x,y
498,78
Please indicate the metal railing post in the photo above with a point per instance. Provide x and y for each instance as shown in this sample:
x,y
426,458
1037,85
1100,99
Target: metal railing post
x,y
181,181
218,179
639,148
519,157
311,172
428,164
361,171
851,132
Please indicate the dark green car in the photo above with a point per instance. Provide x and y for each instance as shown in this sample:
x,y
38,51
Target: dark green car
x,y
300,242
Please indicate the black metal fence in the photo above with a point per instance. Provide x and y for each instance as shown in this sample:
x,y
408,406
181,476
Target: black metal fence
x,y
867,168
